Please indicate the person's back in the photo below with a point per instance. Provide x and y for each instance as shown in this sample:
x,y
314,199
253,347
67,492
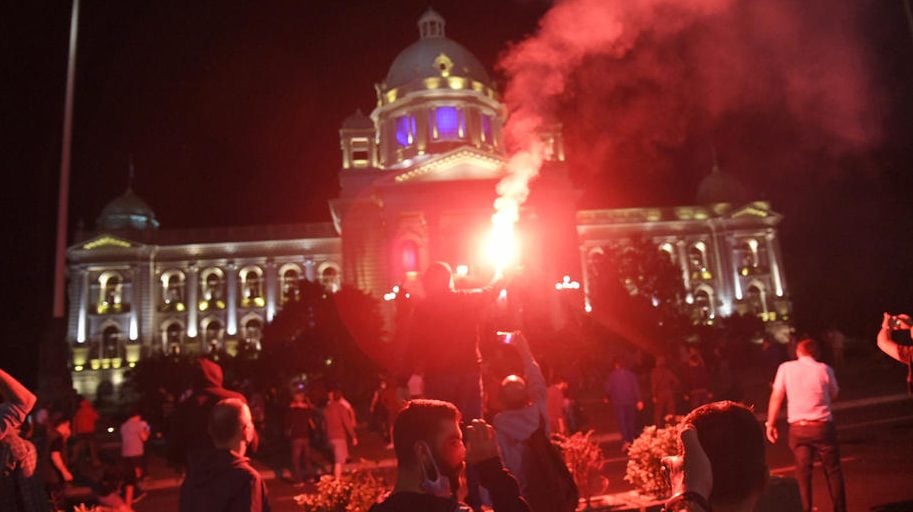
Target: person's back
x,y
221,478
338,419
622,387
20,488
189,429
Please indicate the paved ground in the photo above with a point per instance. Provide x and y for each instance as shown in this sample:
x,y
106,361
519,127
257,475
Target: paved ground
x,y
874,417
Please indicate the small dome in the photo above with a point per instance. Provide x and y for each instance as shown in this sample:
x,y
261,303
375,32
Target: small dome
x,y
721,187
127,211
434,55
358,121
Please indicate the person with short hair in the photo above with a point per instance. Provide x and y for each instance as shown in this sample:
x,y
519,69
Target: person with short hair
x,y
84,421
134,432
339,421
299,427
222,479
723,465
623,389
53,461
431,459
809,387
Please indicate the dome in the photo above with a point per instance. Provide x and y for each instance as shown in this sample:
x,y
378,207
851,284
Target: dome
x,y
434,55
721,187
127,211
358,121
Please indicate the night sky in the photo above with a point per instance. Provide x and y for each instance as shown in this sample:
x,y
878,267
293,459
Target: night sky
x,y
231,110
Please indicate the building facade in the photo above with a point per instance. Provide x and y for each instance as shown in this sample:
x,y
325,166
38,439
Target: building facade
x,y
418,180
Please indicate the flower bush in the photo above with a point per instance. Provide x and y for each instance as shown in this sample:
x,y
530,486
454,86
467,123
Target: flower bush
x,y
585,460
354,492
645,470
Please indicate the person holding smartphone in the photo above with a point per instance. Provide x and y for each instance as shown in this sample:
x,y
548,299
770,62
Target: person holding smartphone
x,y
902,353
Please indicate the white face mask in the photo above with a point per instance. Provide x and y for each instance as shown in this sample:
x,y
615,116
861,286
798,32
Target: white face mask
x,y
440,486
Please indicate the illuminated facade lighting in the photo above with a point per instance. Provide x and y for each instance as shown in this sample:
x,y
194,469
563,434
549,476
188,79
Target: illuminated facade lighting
x,y
567,284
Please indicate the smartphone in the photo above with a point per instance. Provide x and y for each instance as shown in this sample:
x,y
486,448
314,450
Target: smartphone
x,y
505,336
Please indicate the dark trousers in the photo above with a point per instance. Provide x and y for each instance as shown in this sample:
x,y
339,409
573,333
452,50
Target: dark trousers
x,y
302,465
807,441
627,421
664,406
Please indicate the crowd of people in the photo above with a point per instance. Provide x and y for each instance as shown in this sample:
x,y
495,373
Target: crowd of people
x,y
454,449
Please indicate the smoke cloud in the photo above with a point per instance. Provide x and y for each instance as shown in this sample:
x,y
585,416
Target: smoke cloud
x,y
640,79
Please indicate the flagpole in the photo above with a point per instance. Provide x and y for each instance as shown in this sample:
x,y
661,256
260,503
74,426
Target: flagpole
x,y
63,192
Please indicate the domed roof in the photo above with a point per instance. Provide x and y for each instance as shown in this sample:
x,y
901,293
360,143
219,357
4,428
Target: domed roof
x,y
128,211
434,55
358,121
721,187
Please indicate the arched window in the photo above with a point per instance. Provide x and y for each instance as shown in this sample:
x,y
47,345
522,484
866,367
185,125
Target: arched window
x,y
110,342
172,335
405,130
253,328
110,299
449,123
704,304
666,249
756,298
172,291
329,278
409,255
212,289
289,283
212,333
697,262
251,287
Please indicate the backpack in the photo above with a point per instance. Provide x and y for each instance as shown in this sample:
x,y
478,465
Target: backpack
x,y
550,487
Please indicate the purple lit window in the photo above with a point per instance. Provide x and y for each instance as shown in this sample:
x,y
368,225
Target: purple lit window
x,y
486,129
410,256
405,130
448,122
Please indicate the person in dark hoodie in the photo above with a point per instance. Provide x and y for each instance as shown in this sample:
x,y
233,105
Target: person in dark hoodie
x,y
189,431
221,479
431,459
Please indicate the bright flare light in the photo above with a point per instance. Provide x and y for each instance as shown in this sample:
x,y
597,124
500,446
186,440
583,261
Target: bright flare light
x,y
502,247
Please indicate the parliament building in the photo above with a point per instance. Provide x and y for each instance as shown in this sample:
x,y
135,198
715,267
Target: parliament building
x,y
417,181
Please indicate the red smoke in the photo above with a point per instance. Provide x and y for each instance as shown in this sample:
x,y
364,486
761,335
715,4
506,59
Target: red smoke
x,y
642,78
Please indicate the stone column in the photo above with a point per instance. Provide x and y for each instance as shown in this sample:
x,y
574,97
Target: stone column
x,y
191,289
736,277
232,314
271,286
83,291
135,302
773,257
310,270
684,264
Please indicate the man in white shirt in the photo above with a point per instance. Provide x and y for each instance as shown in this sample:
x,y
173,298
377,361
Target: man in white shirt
x,y
809,387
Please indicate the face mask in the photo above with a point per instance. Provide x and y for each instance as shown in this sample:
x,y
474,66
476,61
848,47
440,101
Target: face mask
x,y
440,486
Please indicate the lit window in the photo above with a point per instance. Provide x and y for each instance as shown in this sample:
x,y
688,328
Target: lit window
x,y
448,123
405,130
410,256
487,134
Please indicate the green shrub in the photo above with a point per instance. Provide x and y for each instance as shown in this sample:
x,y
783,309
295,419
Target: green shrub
x,y
645,470
354,492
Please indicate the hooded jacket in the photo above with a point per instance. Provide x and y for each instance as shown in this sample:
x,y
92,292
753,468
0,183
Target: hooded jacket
x,y
191,419
222,481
